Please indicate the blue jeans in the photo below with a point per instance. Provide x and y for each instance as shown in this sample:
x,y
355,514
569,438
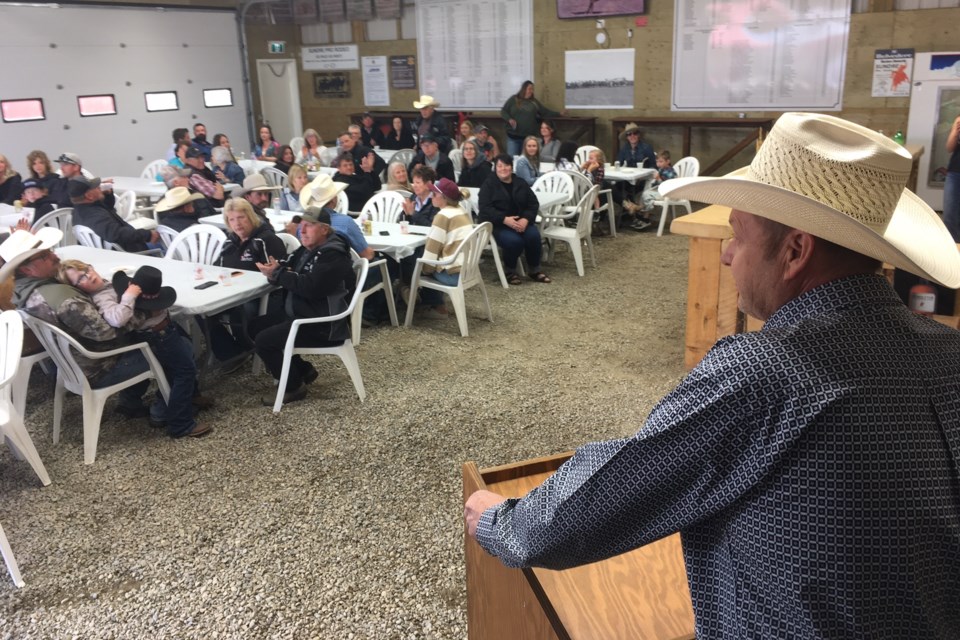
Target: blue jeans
x,y
174,351
951,204
445,278
128,365
513,244
514,146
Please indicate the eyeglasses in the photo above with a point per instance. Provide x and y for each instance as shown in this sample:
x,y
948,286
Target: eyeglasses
x,y
633,133
84,275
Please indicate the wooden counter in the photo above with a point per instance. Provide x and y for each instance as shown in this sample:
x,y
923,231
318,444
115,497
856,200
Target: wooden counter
x,y
638,595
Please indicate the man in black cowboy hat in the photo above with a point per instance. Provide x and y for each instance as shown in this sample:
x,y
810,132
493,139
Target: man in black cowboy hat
x,y
317,280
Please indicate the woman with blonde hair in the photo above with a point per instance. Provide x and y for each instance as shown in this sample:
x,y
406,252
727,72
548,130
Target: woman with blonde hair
x,y
528,164
11,186
465,132
297,179
249,239
397,178
309,154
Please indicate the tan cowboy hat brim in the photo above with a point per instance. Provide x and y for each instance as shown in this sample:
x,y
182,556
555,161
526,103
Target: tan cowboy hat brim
x,y
425,101
241,191
175,201
320,191
915,238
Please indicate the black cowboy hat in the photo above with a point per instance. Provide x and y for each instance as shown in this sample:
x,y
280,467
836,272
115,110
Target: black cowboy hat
x,y
153,296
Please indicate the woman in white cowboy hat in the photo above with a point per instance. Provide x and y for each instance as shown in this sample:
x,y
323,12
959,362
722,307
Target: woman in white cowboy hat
x,y
432,123
810,467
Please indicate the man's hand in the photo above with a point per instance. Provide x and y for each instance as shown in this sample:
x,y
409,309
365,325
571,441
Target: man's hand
x,y
269,268
477,503
154,237
22,225
522,224
218,192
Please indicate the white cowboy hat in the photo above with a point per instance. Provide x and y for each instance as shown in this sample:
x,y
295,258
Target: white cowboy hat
x,y
23,245
322,190
841,182
254,182
425,101
175,198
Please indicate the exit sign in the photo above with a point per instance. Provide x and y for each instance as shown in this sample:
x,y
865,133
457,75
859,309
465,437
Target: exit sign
x,y
278,46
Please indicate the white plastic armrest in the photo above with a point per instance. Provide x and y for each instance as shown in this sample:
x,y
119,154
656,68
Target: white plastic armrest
x,y
99,355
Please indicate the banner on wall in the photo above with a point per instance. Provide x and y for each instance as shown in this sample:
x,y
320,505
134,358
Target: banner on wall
x,y
892,73
340,56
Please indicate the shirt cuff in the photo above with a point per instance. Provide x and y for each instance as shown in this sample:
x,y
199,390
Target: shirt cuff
x,y
486,528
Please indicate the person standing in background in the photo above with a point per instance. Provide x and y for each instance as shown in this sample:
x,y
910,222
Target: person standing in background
x,y
523,113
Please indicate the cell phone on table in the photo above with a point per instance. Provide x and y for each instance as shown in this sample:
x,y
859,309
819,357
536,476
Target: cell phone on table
x,y
384,233
206,285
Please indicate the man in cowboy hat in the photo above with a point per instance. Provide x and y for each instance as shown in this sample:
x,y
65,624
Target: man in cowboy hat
x,y
810,467
432,123
90,211
317,280
38,292
176,210
257,192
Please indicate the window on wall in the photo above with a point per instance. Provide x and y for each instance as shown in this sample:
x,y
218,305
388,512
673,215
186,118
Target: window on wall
x,y
22,110
162,101
104,105
217,98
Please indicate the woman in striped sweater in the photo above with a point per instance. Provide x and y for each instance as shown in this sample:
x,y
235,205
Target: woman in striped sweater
x,y
450,226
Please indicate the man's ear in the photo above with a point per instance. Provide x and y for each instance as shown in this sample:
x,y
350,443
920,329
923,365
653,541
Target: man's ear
x,y
797,252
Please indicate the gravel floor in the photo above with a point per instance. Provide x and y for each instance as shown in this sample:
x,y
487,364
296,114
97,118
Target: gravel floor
x,y
336,519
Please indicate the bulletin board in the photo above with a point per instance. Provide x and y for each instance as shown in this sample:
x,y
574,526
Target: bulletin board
x,y
474,55
738,55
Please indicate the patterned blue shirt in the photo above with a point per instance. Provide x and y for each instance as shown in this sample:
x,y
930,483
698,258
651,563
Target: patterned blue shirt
x,y
811,469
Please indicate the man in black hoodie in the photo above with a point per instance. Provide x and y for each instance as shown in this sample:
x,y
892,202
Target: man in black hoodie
x,y
317,280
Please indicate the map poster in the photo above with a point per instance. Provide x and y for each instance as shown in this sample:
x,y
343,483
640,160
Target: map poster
x,y
892,73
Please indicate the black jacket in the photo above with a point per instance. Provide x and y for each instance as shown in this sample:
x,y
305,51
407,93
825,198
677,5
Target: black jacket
x,y
360,187
444,165
262,244
360,152
110,227
11,189
499,200
395,141
475,176
372,138
437,128
317,283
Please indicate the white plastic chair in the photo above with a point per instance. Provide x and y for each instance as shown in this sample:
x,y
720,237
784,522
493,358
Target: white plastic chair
x,y
583,153
471,248
88,238
688,167
151,171
345,352
290,242
296,143
59,219
126,204
343,203
578,235
583,184
167,235
274,177
456,158
11,419
61,347
328,155
404,155
383,206
200,243
385,285
553,182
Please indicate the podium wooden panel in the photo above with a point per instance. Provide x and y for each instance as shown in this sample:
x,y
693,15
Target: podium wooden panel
x,y
638,595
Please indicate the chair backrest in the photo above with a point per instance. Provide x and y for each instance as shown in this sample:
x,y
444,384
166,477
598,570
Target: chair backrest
x,y
11,344
384,206
555,182
583,153
289,242
472,248
688,167
60,219
456,157
125,205
327,155
58,345
151,171
274,177
88,238
296,143
404,156
167,234
585,211
343,203
581,183
200,243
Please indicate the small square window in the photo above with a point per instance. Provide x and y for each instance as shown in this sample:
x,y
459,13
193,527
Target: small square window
x,y
22,110
217,98
105,105
162,101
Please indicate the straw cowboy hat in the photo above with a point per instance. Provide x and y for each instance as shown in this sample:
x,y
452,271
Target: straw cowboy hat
x,y
841,182
322,190
23,245
176,198
425,101
630,129
255,182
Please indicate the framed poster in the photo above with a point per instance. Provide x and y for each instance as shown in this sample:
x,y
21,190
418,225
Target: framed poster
x,y
359,9
331,84
599,8
403,72
599,79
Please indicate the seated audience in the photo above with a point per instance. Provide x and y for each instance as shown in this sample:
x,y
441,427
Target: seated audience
x,y
11,186
511,206
221,140
465,132
652,193
370,133
42,172
200,141
311,152
528,164
290,195
475,168
430,155
397,178
203,180
140,305
285,159
225,167
179,135
267,147
257,192
360,186
317,281
35,196
549,145
179,160
323,192
635,152
89,210
399,136
487,142
176,209
71,166
250,239
593,166
350,143
419,209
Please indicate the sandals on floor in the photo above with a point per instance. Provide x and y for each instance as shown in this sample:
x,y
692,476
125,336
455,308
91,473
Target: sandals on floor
x,y
514,279
540,276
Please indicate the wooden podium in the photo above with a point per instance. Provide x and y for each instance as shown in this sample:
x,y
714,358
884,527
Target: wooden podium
x,y
638,595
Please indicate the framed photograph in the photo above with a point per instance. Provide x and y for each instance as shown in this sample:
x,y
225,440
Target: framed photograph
x,y
599,8
331,84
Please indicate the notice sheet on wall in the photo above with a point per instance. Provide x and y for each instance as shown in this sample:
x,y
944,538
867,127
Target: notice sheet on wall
x,y
737,55
474,55
376,89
